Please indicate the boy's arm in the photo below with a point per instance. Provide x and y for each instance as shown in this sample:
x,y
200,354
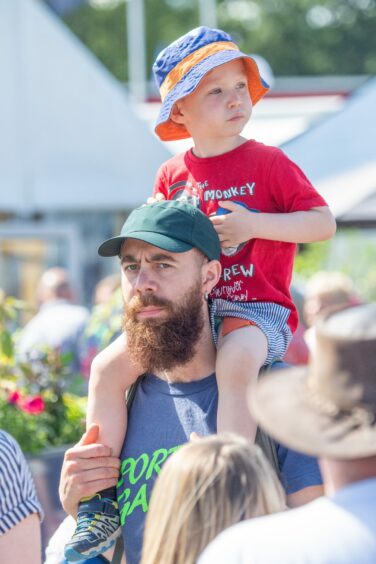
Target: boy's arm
x,y
316,224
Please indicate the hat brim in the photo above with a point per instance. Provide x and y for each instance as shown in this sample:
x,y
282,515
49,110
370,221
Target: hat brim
x,y
168,130
112,247
283,406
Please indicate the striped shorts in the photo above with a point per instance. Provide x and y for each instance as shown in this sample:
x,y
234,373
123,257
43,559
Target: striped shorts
x,y
271,318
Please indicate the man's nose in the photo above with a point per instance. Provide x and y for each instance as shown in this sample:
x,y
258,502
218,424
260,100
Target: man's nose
x,y
145,281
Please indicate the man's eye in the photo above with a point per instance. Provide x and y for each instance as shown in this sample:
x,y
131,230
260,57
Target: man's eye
x,y
163,265
130,267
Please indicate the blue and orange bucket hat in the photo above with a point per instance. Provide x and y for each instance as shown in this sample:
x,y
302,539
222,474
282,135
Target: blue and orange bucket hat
x,y
179,68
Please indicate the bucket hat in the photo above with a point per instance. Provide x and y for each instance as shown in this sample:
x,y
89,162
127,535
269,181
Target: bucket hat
x,y
179,68
171,225
327,409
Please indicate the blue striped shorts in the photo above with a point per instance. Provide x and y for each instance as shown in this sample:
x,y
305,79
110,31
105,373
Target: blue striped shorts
x,y
271,318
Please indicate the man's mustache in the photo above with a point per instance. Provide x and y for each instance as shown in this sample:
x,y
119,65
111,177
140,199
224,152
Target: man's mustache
x,y
137,303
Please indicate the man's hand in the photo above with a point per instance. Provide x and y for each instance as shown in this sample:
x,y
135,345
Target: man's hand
x,y
88,467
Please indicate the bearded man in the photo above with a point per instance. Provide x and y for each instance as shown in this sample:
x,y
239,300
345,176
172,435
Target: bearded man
x,y
168,269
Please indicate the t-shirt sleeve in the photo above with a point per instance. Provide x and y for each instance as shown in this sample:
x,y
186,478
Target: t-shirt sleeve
x,y
290,188
160,185
18,498
297,470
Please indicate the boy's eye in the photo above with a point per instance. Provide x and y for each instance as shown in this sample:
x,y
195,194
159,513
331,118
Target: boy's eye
x,y
215,91
241,85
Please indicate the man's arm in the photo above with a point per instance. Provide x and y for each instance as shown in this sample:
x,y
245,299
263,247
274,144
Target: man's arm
x,y
88,467
22,543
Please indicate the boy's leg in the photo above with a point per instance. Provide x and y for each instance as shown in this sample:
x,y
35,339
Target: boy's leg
x,y
112,373
240,355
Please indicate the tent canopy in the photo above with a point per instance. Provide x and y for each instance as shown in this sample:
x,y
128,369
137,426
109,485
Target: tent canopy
x,y
339,156
69,139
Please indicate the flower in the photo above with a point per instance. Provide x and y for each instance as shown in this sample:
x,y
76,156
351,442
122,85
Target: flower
x,y
32,404
14,398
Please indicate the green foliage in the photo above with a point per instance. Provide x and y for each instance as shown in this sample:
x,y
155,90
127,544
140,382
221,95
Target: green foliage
x,y
352,252
61,423
103,32
311,258
297,37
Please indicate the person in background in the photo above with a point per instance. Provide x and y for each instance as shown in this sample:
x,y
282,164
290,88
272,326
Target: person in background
x,y
327,410
105,289
326,290
105,320
205,487
297,351
20,510
59,323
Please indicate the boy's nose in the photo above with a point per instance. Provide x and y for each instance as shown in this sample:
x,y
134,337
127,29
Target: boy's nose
x,y
234,99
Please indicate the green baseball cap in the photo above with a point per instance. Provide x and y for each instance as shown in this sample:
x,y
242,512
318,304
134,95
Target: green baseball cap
x,y
171,225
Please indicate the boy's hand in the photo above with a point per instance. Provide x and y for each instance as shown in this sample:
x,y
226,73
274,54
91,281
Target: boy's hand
x,y
236,227
157,198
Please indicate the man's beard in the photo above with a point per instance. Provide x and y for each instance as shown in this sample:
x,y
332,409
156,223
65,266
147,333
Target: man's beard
x,y
162,344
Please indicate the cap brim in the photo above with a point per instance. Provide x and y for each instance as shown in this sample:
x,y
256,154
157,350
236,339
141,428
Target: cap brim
x,y
168,130
112,247
283,407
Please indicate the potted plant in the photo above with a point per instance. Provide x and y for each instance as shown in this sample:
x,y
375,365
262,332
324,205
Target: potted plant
x,y
39,406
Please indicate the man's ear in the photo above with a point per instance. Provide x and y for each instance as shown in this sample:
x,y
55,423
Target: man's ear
x,y
211,274
176,114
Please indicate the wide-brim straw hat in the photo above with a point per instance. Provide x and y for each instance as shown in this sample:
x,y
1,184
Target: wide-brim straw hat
x,y
179,68
327,409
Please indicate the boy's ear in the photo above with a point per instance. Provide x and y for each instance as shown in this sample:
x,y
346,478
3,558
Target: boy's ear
x,y
176,114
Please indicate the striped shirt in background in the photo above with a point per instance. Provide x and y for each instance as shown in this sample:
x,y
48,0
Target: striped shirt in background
x,y
18,498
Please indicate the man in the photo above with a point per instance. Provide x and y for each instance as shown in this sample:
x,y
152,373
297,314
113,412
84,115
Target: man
x,y
328,410
59,322
178,395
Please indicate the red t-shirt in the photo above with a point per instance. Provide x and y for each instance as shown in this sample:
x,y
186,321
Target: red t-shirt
x,y
265,180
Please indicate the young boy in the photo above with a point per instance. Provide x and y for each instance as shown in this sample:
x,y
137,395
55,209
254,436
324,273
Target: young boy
x,y
208,88
261,205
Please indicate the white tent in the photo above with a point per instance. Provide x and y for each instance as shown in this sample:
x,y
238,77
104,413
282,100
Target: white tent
x,y
339,156
69,139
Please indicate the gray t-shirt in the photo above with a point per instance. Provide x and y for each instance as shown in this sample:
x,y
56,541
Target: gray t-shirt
x,y
161,419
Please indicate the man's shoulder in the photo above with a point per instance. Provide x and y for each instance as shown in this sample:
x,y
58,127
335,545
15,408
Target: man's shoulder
x,y
290,537
263,537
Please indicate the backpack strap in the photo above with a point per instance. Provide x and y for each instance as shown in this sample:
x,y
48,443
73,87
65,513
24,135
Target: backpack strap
x,y
119,545
118,550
